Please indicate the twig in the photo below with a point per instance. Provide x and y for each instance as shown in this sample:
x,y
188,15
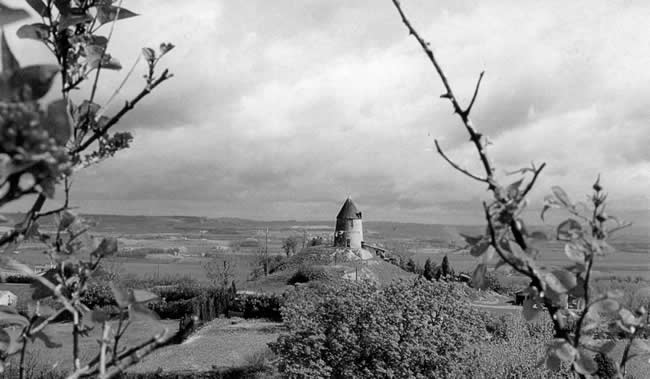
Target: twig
x,y
116,118
102,351
532,181
456,166
475,137
478,84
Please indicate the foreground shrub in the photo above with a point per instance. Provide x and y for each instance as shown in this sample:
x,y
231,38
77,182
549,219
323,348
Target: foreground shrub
x,y
515,353
407,329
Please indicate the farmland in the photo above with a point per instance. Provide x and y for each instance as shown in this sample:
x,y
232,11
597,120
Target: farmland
x,y
180,246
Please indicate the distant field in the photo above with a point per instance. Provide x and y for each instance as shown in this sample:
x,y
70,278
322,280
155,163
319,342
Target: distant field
x,y
626,261
239,241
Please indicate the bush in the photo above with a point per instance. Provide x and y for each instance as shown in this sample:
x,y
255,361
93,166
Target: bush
x,y
266,306
18,279
173,309
515,352
411,328
308,273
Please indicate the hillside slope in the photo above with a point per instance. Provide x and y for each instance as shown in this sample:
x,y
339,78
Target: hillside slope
x,y
328,263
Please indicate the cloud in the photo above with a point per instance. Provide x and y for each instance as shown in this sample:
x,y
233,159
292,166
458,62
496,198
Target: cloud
x,y
282,109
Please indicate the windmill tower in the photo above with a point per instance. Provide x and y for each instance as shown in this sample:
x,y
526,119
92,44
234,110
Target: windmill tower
x,y
349,228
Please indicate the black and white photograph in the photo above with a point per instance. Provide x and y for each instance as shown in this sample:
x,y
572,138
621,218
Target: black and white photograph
x,y
223,189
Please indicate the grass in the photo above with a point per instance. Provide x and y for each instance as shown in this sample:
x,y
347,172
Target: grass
x,y
61,334
221,343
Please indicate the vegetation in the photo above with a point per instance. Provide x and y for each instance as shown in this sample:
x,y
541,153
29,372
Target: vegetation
x,y
289,246
358,330
585,233
40,149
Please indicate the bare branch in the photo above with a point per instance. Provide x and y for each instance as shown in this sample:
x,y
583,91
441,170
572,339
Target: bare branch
x,y
532,181
471,103
475,137
456,166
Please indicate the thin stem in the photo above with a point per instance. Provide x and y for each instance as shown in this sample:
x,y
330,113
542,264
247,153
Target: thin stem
x,y
456,166
23,351
475,137
478,84
127,107
102,351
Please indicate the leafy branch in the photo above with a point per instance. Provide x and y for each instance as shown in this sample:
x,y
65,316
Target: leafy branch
x,y
507,235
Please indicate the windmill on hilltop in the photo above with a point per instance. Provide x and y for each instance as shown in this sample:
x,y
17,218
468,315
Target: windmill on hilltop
x,y
349,228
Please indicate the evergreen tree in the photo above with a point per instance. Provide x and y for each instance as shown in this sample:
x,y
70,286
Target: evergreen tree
x,y
447,270
428,269
411,266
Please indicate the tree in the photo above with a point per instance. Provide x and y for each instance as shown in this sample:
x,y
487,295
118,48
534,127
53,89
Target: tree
x,y
584,233
429,269
289,245
41,145
445,268
220,272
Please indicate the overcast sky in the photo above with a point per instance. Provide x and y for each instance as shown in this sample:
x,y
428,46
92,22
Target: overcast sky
x,y
281,109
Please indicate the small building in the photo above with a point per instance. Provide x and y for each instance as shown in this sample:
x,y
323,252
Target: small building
x,y
349,228
8,298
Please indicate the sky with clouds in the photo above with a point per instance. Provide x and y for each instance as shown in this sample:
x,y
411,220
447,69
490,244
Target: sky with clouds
x,y
281,109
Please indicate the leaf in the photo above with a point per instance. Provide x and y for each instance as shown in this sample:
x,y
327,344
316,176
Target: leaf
x,y
615,294
122,297
478,277
5,340
567,279
528,311
111,63
98,316
640,346
513,189
72,19
585,364
59,123
46,340
568,230
143,296
63,6
142,312
601,247
32,82
574,253
149,53
10,15
107,247
562,349
606,306
108,13
11,318
38,6
554,283
165,48
471,240
553,362
38,31
67,218
480,248
628,318
602,346
9,61
561,196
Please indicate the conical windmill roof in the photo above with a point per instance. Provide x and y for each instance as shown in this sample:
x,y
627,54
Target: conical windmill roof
x,y
349,211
